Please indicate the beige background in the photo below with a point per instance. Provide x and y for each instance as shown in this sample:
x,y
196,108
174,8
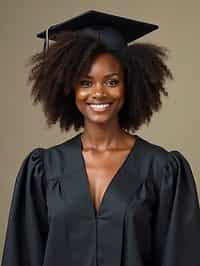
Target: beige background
x,y
176,126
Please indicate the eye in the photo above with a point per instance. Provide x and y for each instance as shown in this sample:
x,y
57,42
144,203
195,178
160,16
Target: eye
x,y
112,82
85,83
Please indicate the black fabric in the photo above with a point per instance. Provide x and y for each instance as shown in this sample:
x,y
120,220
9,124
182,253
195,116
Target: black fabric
x,y
128,29
149,215
111,38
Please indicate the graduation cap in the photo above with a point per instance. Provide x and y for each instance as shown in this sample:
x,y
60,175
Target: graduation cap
x,y
114,31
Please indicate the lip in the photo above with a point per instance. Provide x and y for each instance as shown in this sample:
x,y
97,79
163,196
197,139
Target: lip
x,y
100,103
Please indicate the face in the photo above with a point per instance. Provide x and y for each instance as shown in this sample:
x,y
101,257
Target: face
x,y
99,94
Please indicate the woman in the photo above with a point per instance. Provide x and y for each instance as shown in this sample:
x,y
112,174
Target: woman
x,y
104,197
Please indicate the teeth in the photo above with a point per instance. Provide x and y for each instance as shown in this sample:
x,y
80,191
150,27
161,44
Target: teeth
x,y
99,105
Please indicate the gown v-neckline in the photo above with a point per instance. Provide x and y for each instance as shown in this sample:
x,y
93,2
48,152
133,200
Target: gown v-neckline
x,y
97,212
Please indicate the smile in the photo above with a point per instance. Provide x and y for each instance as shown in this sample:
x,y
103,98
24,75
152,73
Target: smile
x,y
100,107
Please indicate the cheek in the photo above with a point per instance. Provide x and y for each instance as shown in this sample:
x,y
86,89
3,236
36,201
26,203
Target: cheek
x,y
118,94
80,93
80,97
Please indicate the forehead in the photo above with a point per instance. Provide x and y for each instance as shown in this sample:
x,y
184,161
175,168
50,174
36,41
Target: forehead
x,y
105,63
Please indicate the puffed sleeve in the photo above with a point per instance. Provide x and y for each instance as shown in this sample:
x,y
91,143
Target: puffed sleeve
x,y
27,226
177,223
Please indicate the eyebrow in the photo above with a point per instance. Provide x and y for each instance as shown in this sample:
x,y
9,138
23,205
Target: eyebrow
x,y
107,75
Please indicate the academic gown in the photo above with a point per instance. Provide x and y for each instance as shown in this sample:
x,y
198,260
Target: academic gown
x,y
149,214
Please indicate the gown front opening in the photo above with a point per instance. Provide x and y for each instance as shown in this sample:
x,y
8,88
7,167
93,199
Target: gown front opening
x,y
149,214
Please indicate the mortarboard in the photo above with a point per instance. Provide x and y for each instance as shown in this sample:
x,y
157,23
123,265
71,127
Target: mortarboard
x,y
114,31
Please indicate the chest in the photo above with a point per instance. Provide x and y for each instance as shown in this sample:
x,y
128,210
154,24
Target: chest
x,y
101,168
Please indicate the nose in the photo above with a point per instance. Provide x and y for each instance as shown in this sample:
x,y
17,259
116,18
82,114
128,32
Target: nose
x,y
98,91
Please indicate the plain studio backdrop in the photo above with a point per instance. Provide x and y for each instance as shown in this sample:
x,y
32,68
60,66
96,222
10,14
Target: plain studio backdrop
x,y
175,127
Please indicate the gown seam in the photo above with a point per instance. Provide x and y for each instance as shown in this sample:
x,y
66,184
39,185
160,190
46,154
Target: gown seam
x,y
163,171
44,178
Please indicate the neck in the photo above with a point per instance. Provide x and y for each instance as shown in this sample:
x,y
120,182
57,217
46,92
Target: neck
x,y
102,135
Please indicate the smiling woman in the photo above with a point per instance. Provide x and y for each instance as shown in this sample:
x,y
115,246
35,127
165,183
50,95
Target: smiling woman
x,y
100,95
56,75
105,197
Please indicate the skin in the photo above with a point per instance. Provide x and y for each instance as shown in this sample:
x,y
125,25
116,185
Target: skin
x,y
105,145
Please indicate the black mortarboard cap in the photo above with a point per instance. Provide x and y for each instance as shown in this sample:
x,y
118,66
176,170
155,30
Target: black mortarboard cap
x,y
115,31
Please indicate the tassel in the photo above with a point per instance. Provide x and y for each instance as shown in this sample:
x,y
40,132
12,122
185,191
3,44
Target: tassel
x,y
46,40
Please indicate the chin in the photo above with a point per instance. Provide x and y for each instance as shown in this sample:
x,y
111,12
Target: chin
x,y
100,119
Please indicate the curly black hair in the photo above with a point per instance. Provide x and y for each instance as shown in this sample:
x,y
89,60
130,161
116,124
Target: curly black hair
x,y
55,73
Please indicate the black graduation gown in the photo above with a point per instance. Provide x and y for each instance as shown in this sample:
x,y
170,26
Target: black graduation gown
x,y
149,215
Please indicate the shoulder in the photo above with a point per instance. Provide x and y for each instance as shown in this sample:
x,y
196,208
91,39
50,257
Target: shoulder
x,y
161,163
153,153
34,157
59,157
69,143
38,157
161,156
